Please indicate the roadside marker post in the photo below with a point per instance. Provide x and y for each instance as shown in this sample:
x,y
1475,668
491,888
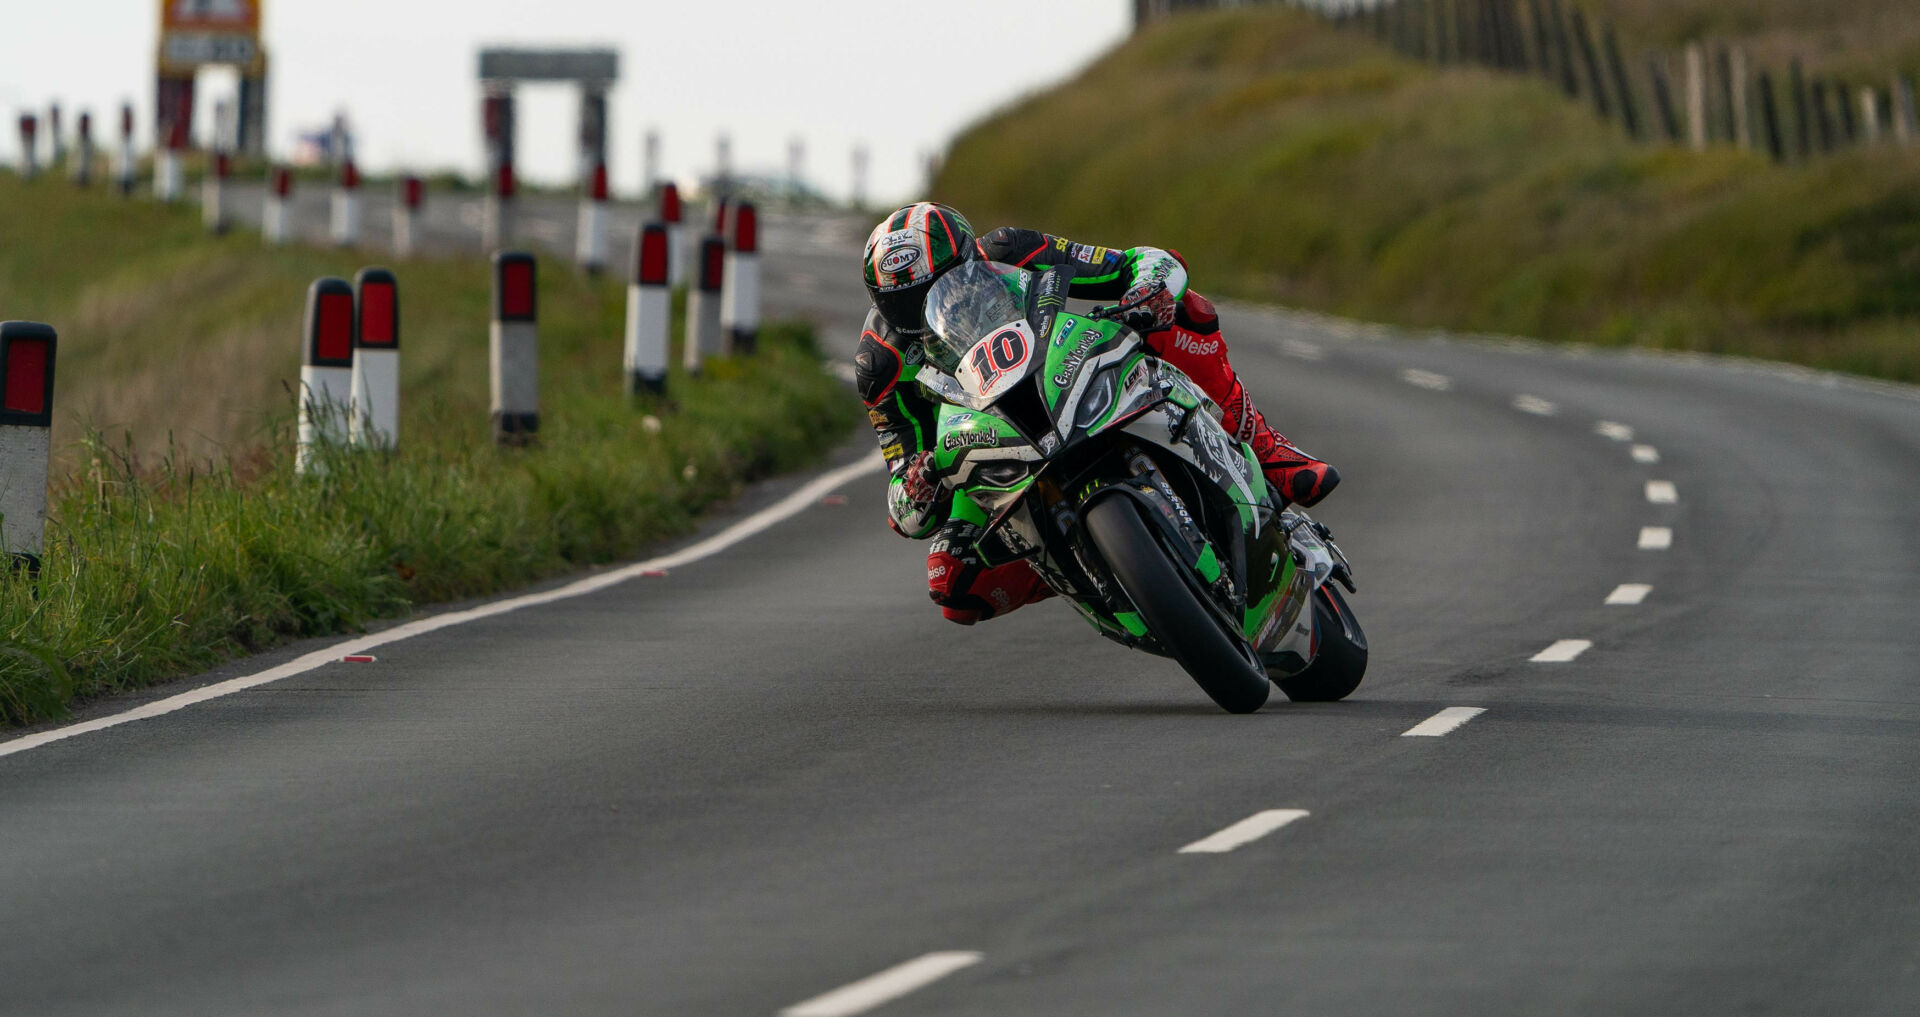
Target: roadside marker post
x,y
513,348
671,213
649,303
346,205
26,420
123,172
406,215
373,400
590,248
213,192
167,177
58,160
83,157
326,369
497,216
273,221
704,338
740,280
29,155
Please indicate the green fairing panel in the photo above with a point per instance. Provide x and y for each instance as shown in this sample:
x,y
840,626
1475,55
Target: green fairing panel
x,y
1074,341
961,430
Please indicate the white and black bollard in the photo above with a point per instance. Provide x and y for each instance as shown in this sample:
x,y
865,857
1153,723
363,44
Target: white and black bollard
x,y
274,224
213,192
374,400
26,422
84,154
346,205
123,166
406,215
590,247
679,251
497,216
704,338
29,153
167,176
326,369
740,281
649,306
513,346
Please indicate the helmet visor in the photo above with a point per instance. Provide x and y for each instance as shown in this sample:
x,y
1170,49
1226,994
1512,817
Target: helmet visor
x,y
967,304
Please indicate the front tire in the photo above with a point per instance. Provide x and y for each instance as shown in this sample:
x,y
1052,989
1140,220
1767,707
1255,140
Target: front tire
x,y
1172,609
1342,661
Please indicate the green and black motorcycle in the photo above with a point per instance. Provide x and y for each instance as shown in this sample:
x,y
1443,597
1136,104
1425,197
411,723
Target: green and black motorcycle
x,y
1108,469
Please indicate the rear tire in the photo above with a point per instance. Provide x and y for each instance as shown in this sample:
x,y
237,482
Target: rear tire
x,y
1171,607
1342,661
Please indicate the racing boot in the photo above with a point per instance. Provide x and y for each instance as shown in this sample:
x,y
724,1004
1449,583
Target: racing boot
x,y
968,591
1193,344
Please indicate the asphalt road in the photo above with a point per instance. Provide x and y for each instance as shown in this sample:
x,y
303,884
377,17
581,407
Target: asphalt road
x,y
775,771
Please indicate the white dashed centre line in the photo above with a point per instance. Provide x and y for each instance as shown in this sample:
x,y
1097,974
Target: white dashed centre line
x,y
1245,831
1302,350
885,987
1655,538
1646,454
1611,430
1426,379
1443,722
1563,651
1535,405
1662,492
1629,594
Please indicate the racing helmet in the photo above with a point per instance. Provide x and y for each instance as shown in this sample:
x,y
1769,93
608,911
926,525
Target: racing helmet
x,y
907,251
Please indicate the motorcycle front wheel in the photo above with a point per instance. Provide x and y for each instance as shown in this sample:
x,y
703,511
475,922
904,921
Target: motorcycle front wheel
x,y
1168,601
1342,661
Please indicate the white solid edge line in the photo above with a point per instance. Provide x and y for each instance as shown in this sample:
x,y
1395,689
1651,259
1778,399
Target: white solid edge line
x,y
1443,722
1245,831
1629,593
792,505
888,985
1616,432
1535,405
1655,538
1662,492
1563,651
1646,454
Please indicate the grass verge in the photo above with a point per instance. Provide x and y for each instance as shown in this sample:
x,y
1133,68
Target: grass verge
x,y
1291,162
169,552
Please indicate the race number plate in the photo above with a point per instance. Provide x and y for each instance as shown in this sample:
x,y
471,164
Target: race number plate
x,y
998,361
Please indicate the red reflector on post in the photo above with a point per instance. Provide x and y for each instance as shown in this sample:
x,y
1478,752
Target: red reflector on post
x,y
746,229
27,361
126,121
514,288
713,261
720,212
282,182
412,190
336,327
27,127
329,324
652,267
599,190
669,203
503,182
349,175
376,309
222,165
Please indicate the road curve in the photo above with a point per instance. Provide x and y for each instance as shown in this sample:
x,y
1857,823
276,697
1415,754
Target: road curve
x,y
773,780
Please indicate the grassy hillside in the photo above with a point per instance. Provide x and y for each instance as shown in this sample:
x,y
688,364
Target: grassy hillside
x,y
1295,163
163,559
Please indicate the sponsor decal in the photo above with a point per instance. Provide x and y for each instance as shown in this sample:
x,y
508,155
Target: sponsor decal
x,y
892,452
969,439
1193,344
1088,254
1077,356
900,260
935,572
898,237
877,418
1060,244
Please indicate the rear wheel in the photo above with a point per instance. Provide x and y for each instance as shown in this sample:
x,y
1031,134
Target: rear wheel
x,y
1342,661
1171,607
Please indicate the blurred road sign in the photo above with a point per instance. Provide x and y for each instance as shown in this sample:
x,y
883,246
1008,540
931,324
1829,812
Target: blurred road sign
x,y
194,33
601,65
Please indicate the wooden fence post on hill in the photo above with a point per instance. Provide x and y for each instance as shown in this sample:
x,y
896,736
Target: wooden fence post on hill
x,y
1802,115
1629,113
1562,50
1904,128
1770,119
1740,96
1663,98
1578,22
1696,97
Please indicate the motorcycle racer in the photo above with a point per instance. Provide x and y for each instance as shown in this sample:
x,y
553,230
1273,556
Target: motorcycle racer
x,y
918,243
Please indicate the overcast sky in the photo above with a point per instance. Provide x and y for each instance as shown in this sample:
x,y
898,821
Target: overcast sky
x,y
902,76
